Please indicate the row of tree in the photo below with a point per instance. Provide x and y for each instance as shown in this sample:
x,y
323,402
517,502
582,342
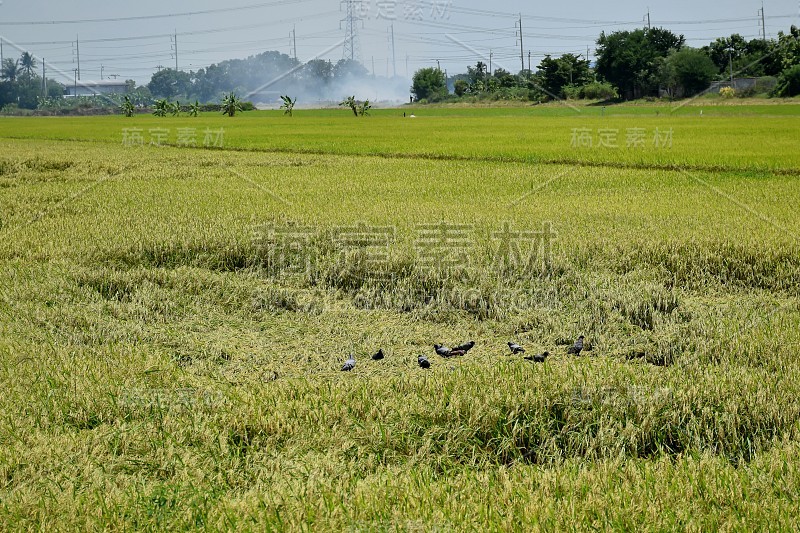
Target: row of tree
x,y
20,84
630,64
278,72
261,77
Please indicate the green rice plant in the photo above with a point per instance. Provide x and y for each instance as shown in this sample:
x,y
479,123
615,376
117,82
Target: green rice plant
x,y
173,322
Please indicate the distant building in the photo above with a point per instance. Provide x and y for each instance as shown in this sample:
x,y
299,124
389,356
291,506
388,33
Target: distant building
x,y
93,88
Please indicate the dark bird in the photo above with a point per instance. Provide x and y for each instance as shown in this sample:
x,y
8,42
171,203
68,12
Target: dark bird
x,y
444,351
515,348
350,364
423,361
538,358
461,349
577,347
378,355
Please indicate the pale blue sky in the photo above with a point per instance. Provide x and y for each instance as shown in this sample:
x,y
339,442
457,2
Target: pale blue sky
x,y
457,32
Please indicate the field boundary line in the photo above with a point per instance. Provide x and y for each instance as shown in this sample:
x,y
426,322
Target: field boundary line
x,y
784,171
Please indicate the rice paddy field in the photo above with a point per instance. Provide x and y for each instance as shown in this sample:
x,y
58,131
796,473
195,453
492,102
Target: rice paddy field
x,y
178,295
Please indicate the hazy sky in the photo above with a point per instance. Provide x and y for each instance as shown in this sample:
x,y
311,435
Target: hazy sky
x,y
456,32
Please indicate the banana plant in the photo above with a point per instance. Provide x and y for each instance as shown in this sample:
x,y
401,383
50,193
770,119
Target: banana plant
x,y
350,102
231,104
127,106
288,105
160,108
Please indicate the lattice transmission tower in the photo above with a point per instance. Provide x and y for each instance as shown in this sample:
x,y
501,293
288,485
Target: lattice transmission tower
x,y
353,10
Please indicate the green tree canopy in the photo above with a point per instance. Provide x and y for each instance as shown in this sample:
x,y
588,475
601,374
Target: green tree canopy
x,y
349,68
756,57
692,69
555,74
629,59
10,69
428,83
789,82
168,83
789,47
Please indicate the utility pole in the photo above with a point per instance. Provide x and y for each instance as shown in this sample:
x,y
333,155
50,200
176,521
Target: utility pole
x,y
294,41
763,26
394,63
521,53
101,72
490,63
174,40
406,65
438,67
648,18
44,80
78,50
529,60
1,51
730,60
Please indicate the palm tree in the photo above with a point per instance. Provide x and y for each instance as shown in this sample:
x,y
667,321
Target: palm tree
x,y
10,70
28,63
194,109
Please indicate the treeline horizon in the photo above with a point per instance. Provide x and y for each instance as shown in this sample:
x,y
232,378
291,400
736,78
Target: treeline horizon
x,y
629,64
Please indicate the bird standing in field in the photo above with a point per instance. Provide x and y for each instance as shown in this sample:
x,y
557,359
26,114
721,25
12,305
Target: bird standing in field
x,y
423,361
350,364
442,350
378,355
515,348
577,347
462,349
537,358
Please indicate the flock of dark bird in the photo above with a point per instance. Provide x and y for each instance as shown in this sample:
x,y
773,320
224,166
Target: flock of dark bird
x,y
462,349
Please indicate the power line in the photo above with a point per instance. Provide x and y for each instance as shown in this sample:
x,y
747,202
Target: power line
x,y
186,33
150,17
